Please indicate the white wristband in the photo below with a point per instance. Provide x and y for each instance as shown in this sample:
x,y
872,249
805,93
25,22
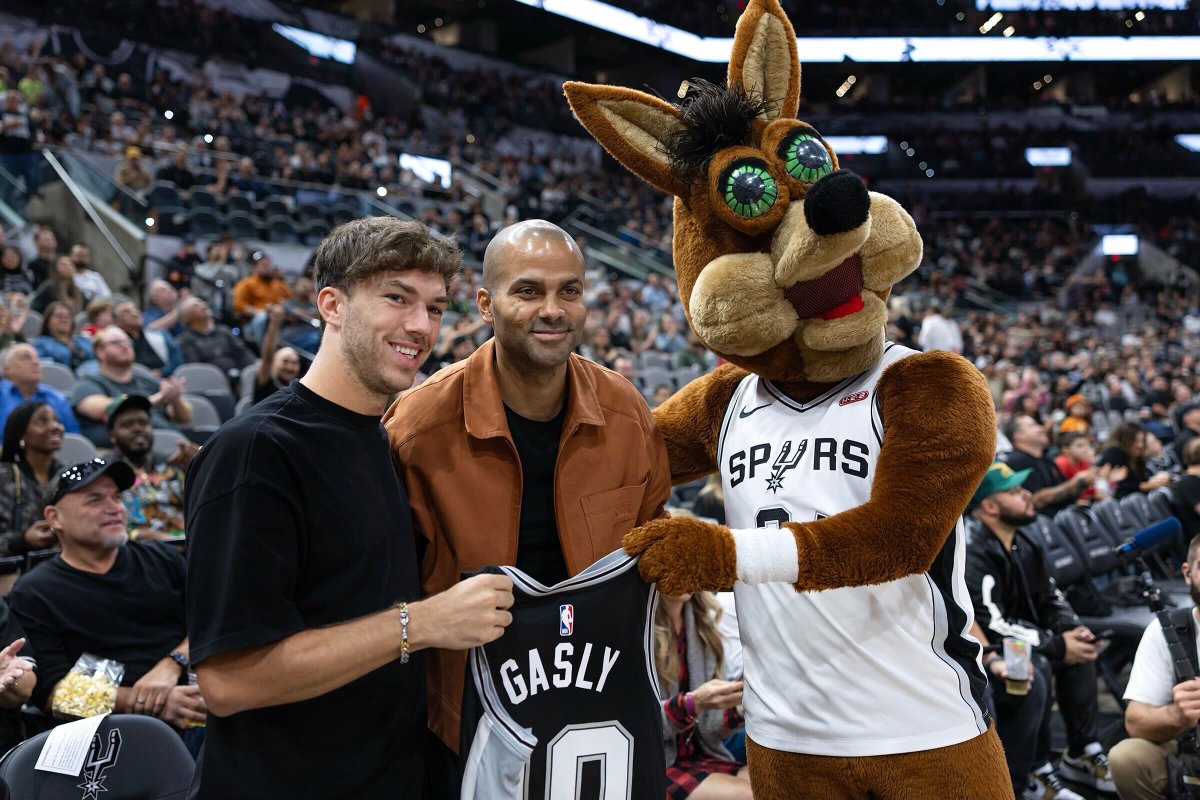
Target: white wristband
x,y
766,554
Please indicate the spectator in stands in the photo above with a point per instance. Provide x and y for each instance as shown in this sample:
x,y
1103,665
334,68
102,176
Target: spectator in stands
x,y
1013,595
654,296
58,342
156,350
162,308
246,181
301,321
623,366
14,314
154,504
18,135
660,395
182,265
1158,710
205,341
1185,492
665,336
99,315
1076,454
116,377
22,383
177,171
47,254
14,275
710,502
694,355
28,468
111,597
699,710
214,279
89,281
132,173
1188,416
939,331
1079,415
59,287
260,288
1052,492
1126,447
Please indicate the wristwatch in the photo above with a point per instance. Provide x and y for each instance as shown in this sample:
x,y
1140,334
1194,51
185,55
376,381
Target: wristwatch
x,y
179,658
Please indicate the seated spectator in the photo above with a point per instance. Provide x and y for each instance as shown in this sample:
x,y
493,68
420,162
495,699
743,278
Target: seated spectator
x,y
162,308
1158,709
205,341
1188,416
183,264
14,275
116,377
246,180
47,254
14,313
694,355
58,341
665,336
699,710
1076,454
654,296
262,287
710,503
154,504
17,677
662,393
623,366
215,278
89,281
277,367
99,315
132,173
302,322
155,350
1052,492
1185,492
1014,595
177,171
110,597
1126,447
22,371
59,287
1079,415
28,467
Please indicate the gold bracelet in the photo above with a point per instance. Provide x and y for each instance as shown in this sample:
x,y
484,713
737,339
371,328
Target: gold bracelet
x,y
403,606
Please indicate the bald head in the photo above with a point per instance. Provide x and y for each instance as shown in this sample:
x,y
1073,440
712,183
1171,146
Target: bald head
x,y
518,243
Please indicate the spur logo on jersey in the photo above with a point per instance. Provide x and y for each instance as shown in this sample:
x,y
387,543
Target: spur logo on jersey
x,y
783,462
826,454
853,398
566,619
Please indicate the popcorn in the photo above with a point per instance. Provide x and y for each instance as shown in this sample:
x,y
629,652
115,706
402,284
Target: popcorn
x,y
90,688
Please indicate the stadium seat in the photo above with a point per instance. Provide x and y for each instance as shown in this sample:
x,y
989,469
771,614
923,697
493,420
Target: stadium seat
x,y
1066,564
243,404
653,359
1113,521
651,378
164,194
76,448
201,198
310,212
165,441
1091,543
58,376
203,378
282,229
239,202
275,207
340,215
242,225
1162,503
205,416
172,221
686,375
131,757
204,222
246,380
33,325
1136,506
314,232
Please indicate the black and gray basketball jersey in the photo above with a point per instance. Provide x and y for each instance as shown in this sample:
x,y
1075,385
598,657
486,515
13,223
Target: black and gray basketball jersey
x,y
856,671
564,705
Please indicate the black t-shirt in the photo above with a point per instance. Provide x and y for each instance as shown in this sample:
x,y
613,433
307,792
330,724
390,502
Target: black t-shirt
x,y
296,520
539,552
1116,457
1186,495
133,613
1044,476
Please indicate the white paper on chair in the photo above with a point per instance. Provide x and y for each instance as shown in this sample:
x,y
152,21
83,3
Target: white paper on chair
x,y
67,746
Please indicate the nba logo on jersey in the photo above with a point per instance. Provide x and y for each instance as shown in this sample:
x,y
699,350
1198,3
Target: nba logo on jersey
x,y
566,619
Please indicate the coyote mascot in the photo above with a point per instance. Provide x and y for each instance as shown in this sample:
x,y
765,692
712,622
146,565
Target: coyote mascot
x,y
847,461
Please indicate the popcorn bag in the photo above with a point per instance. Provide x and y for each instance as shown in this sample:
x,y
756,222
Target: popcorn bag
x,y
90,688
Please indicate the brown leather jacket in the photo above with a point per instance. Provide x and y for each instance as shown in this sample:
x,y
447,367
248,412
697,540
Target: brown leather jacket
x,y
452,445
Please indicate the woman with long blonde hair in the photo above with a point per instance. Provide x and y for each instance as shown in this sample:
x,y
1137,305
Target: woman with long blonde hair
x,y
700,707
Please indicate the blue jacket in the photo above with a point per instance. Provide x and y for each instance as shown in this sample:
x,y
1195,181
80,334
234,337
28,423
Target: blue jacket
x,y
11,397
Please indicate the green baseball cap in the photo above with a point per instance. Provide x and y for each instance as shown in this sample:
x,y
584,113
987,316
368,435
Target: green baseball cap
x,y
1000,477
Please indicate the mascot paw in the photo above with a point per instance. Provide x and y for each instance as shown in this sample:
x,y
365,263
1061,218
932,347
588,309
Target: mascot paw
x,y
684,555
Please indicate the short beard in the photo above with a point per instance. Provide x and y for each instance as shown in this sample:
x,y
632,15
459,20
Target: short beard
x,y
355,347
1194,589
1017,520
115,541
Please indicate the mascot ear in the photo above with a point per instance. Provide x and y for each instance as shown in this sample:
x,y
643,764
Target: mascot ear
x,y
632,126
764,59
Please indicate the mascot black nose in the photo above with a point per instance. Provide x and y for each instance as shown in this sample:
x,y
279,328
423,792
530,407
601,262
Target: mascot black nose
x,y
837,203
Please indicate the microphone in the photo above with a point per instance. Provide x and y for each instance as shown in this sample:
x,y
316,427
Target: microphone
x,y
1150,538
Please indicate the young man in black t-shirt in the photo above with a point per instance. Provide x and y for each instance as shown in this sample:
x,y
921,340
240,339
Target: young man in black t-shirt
x,y
110,597
1051,491
301,550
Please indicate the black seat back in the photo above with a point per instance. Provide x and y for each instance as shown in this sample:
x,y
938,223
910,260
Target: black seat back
x,y
1114,522
1065,563
1090,541
1163,503
1137,507
133,757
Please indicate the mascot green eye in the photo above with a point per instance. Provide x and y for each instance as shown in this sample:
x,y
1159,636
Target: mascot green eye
x,y
805,157
748,188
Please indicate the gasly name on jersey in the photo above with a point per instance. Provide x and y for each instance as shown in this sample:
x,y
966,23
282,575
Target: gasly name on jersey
x,y
569,669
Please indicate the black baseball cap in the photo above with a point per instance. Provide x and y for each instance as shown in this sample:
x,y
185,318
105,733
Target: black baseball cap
x,y
77,476
123,403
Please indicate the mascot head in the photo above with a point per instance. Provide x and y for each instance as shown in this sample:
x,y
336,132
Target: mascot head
x,y
784,261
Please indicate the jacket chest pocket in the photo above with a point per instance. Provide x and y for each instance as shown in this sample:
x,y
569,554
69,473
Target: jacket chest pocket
x,y
612,514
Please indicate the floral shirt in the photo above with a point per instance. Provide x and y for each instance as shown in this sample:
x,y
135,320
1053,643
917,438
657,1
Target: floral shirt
x,y
155,502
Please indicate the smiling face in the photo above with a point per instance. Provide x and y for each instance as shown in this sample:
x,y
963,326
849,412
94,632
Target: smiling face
x,y
784,261
44,433
91,518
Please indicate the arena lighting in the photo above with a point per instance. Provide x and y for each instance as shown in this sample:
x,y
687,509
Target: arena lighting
x,y
169,114
315,44
1009,31
992,22
1078,5
1188,141
883,49
1048,156
149,222
208,138
857,145
427,168
1119,244
381,191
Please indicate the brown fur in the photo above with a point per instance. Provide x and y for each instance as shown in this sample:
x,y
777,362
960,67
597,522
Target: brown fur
x,y
972,770
680,553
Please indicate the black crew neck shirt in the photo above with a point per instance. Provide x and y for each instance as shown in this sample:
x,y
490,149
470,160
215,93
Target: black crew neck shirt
x,y
539,552
296,519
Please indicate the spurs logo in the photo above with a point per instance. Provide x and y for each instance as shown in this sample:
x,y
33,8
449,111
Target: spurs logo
x,y
98,763
783,462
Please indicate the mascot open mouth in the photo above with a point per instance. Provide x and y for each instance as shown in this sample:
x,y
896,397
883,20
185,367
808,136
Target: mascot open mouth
x,y
837,293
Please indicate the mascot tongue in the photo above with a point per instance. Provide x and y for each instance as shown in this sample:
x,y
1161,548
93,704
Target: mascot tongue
x,y
837,293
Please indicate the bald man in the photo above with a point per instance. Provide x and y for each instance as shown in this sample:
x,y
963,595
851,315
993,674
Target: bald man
x,y
525,453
